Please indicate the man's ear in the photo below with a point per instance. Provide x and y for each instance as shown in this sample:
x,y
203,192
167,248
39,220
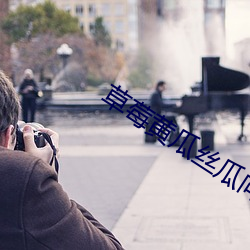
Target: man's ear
x,y
7,140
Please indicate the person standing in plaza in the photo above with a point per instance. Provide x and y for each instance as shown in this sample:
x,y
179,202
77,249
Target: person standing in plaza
x,y
29,92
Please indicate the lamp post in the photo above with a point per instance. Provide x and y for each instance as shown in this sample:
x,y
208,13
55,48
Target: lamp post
x,y
64,51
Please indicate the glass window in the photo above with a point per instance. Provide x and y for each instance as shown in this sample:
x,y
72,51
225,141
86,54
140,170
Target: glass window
x,y
79,10
119,9
214,4
107,25
91,27
67,8
132,10
119,44
106,9
132,26
82,26
119,26
92,10
170,4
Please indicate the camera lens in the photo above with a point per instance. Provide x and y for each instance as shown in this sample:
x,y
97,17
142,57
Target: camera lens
x,y
35,125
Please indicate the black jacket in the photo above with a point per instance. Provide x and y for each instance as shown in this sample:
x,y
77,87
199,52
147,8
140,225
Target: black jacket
x,y
156,102
32,93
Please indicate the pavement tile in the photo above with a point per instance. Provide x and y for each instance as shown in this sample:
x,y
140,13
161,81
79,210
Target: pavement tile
x,y
180,206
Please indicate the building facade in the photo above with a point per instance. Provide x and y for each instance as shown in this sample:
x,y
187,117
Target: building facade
x,y
120,18
177,11
15,3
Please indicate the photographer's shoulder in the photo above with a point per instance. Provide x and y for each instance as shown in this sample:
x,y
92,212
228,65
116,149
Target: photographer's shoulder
x,y
19,162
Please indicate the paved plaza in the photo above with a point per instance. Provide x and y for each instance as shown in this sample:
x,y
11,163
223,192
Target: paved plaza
x,y
148,195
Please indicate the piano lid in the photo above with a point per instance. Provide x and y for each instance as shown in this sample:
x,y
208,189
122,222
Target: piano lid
x,y
218,78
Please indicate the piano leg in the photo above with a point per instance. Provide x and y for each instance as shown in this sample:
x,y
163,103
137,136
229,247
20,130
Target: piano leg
x,y
190,122
241,137
243,114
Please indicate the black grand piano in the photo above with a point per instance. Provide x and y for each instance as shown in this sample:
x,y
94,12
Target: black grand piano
x,y
220,89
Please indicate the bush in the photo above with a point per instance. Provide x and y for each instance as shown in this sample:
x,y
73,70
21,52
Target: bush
x,y
140,76
93,81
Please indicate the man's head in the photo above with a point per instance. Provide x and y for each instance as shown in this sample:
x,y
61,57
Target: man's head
x,y
161,86
9,112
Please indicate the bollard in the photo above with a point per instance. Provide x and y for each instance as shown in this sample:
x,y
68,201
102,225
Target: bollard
x,y
172,137
193,151
149,138
207,139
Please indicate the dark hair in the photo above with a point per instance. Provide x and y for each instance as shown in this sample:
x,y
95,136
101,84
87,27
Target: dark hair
x,y
159,84
9,104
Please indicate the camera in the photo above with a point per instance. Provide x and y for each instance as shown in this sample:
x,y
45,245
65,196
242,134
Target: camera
x,y
38,137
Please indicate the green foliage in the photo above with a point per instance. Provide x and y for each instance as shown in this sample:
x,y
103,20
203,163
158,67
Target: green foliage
x,y
100,33
140,76
42,18
93,80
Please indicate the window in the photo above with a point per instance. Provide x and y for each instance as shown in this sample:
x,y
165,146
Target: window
x,y
82,26
91,27
79,10
215,4
92,10
119,44
132,10
67,8
170,4
106,9
107,25
132,26
119,27
119,9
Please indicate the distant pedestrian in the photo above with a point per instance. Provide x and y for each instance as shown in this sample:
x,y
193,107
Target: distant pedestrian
x,y
29,91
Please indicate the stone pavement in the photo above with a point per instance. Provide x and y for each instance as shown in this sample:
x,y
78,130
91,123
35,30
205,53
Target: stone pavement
x,y
101,167
174,204
179,206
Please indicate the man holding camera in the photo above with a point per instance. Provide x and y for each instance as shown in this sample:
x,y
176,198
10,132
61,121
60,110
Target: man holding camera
x,y
35,212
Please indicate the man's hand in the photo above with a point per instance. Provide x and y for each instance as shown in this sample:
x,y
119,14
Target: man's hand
x,y
45,153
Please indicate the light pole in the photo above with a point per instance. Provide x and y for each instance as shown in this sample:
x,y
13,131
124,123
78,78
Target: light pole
x,y
64,51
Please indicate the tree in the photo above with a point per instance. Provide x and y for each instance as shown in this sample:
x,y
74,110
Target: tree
x,y
141,75
100,33
96,64
42,18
